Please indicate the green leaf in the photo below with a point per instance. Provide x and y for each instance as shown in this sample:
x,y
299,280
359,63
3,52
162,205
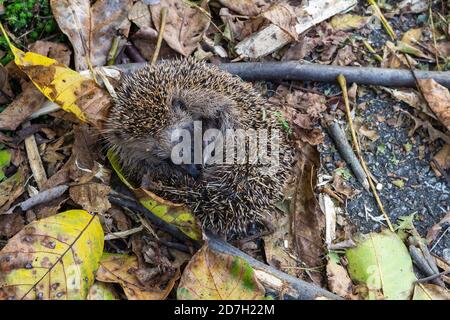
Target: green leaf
x,y
5,161
381,262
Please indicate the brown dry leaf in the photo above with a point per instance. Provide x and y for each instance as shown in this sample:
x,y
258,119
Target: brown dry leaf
x,y
145,41
438,98
29,101
10,224
91,29
121,269
6,92
414,6
92,197
58,51
369,133
278,244
300,49
443,160
249,8
12,188
436,229
342,188
307,219
339,281
283,15
240,28
345,56
185,25
412,98
139,14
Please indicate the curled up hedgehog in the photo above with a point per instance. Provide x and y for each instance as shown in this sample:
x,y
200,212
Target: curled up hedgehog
x,y
165,113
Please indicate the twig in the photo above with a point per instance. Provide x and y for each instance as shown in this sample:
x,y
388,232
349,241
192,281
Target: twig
x,y
385,23
343,84
125,202
346,151
434,276
160,35
372,51
41,197
422,264
134,54
292,70
271,277
34,159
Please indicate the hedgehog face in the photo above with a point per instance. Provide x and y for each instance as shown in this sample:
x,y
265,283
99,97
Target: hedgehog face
x,y
150,132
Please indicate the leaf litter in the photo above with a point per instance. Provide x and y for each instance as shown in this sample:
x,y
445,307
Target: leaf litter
x,y
403,134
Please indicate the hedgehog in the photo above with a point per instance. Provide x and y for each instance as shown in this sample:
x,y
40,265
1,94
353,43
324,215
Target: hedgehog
x,y
231,198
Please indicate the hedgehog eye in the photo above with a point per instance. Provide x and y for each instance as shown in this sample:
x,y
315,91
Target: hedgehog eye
x,y
178,104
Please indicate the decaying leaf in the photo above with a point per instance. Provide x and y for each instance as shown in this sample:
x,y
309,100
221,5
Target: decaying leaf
x,y
339,281
140,15
381,263
415,6
92,197
12,188
53,258
176,214
436,229
101,291
121,269
66,87
441,161
438,98
247,7
308,221
426,291
91,29
185,24
212,275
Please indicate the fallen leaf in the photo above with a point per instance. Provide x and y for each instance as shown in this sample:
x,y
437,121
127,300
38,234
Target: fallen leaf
x,y
347,22
92,197
307,219
436,229
10,224
12,188
27,102
53,258
58,51
442,158
66,87
438,98
369,133
102,291
249,8
5,161
91,29
381,263
185,25
412,98
427,291
339,281
121,269
345,56
139,14
399,183
211,275
341,187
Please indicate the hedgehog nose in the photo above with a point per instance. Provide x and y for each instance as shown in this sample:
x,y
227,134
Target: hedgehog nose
x,y
193,170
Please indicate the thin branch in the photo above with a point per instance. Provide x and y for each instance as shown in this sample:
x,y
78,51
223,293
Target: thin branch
x,y
160,35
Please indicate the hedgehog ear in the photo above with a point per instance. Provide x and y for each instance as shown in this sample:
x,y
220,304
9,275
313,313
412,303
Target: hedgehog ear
x,y
179,104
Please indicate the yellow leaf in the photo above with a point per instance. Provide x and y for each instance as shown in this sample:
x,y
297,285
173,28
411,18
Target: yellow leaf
x,y
120,268
211,275
176,214
53,258
348,22
60,84
428,291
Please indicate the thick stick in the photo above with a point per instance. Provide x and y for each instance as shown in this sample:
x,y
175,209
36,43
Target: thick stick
x,y
252,71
